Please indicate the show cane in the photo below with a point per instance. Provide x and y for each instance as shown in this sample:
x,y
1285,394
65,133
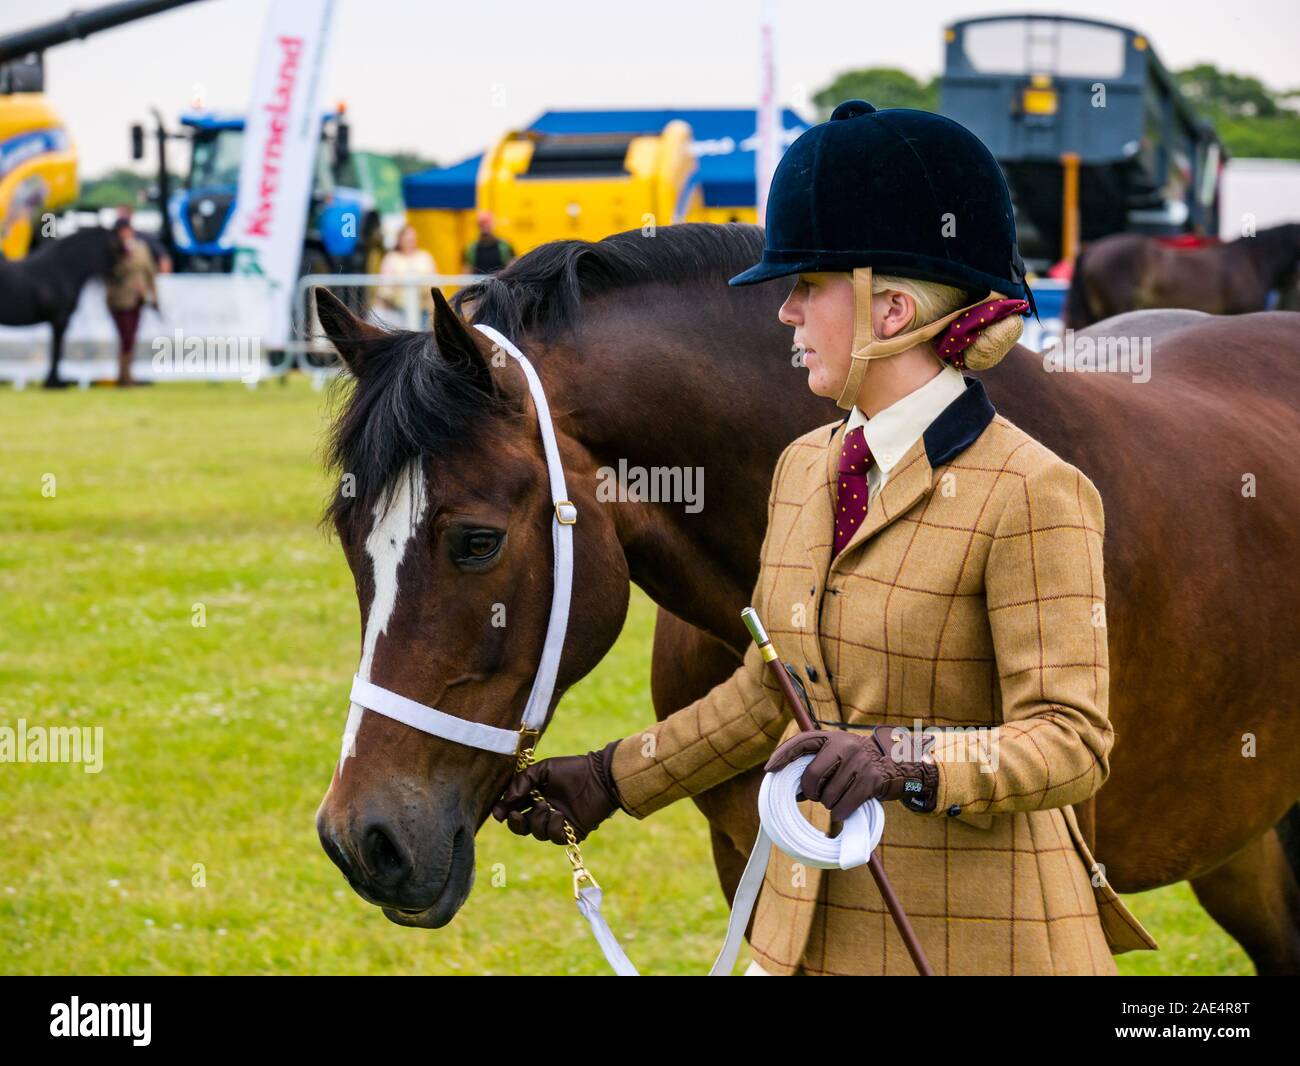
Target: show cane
x,y
806,723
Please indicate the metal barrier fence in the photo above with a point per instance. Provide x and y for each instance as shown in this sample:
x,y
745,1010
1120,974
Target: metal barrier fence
x,y
219,308
315,356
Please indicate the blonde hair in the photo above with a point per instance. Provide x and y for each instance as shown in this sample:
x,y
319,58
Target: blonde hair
x,y
933,300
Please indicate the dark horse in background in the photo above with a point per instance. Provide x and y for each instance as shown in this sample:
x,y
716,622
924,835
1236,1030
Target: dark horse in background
x,y
648,357
1131,272
46,286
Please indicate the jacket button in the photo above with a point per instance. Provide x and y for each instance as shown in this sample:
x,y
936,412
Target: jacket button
x,y
954,810
811,671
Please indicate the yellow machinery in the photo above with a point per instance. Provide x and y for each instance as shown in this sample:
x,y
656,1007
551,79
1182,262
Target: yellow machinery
x,y
445,233
542,187
38,164
38,169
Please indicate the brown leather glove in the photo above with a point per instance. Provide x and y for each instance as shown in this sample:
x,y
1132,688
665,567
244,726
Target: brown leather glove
x,y
850,768
579,788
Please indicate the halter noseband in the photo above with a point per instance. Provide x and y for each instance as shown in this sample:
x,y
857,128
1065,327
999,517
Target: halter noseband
x,y
438,723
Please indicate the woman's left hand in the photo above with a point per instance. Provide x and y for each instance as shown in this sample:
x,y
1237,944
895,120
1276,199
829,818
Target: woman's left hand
x,y
850,768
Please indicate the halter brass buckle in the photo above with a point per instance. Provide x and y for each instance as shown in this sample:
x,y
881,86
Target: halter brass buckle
x,y
560,514
524,749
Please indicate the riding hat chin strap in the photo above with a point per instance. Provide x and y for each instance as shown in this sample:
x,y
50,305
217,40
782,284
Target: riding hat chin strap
x,y
867,346
475,734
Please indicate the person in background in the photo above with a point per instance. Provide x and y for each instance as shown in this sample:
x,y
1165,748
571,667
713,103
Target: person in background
x,y
154,242
489,253
130,288
406,259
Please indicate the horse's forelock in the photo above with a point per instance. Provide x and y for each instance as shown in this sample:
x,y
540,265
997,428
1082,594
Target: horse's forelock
x,y
412,401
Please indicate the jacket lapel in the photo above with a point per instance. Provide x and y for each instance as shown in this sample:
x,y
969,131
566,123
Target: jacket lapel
x,y
956,429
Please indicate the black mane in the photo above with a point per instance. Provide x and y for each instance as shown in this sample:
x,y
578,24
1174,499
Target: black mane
x,y
414,400
541,292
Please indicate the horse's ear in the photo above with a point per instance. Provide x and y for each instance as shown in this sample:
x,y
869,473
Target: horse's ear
x,y
449,329
456,340
350,335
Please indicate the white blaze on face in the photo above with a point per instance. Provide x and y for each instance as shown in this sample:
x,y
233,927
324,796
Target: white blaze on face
x,y
396,521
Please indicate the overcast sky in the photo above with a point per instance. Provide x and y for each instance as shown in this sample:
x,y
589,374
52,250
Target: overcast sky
x,y
445,79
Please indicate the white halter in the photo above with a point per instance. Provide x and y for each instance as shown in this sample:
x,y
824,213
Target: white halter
x,y
782,823
475,734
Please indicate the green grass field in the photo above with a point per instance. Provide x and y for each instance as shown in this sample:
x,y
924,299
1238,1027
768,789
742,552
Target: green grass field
x,y
194,849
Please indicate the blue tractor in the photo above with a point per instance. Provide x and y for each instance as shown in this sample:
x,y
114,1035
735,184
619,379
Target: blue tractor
x,y
344,232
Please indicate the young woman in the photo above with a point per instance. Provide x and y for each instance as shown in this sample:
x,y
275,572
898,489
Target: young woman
x,y
929,567
407,259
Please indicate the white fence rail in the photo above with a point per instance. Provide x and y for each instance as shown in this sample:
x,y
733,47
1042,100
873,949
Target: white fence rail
x,y
201,317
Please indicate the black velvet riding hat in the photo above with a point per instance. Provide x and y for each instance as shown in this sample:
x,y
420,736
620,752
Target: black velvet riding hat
x,y
905,192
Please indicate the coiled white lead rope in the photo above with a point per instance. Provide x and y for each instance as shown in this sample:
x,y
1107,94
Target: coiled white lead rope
x,y
783,825
789,830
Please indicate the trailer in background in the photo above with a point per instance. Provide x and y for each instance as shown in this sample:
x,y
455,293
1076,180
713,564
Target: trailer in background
x,y
1094,134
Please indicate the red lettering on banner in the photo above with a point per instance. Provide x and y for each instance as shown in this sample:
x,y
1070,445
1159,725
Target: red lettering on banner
x,y
261,219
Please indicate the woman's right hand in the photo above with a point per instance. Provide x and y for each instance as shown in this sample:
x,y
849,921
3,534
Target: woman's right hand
x,y
574,788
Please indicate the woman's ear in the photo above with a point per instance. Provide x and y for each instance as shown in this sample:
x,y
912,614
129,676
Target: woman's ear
x,y
351,336
897,310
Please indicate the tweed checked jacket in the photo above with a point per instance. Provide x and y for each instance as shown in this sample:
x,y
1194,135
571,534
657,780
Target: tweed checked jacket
x,y
970,601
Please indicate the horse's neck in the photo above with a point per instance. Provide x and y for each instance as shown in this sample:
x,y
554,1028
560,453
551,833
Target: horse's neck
x,y
677,557
69,260
644,408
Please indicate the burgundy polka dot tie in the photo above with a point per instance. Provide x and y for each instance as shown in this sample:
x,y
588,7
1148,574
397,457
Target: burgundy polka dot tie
x,y
851,493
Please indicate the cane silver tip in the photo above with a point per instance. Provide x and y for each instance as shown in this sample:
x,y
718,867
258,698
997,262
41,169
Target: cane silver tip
x,y
755,625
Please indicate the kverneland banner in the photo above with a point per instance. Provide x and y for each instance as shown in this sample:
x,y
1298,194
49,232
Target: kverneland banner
x,y
281,139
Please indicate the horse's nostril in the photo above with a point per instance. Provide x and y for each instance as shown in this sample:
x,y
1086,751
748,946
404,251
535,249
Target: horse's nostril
x,y
337,855
387,863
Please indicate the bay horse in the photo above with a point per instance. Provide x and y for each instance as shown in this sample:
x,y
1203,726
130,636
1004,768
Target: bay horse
x,y
46,286
648,357
1132,272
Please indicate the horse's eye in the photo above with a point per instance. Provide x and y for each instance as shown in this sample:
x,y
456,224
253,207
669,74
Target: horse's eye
x,y
476,545
481,545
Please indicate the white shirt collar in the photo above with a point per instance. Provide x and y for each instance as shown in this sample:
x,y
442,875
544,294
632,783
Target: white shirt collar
x,y
891,432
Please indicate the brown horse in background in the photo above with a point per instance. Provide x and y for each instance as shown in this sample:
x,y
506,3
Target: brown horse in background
x,y
648,357
1131,272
